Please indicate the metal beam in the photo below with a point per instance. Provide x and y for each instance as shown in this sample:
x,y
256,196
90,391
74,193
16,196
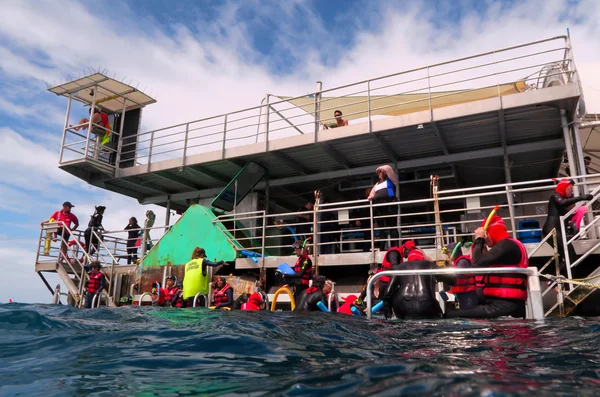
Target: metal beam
x,y
551,144
337,156
383,145
121,190
177,179
148,185
285,119
293,164
438,135
205,171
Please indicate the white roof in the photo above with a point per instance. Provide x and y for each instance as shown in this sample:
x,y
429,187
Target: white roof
x,y
110,93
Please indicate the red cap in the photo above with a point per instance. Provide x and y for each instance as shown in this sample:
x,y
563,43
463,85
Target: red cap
x,y
562,186
255,299
409,245
415,256
496,229
350,298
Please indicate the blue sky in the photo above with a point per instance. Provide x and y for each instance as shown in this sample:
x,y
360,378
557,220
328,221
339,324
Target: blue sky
x,y
200,58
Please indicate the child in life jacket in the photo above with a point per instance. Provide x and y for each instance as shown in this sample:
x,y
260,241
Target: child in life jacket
x,y
170,296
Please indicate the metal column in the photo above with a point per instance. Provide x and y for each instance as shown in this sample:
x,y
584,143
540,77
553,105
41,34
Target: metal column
x,y
62,145
509,195
168,214
318,108
120,141
568,145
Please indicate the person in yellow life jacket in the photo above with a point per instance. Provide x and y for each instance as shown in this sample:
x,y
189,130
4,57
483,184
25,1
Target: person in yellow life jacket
x,y
223,293
196,280
95,285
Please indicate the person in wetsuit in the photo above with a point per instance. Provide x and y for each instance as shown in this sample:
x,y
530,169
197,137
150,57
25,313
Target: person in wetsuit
x,y
411,297
309,298
384,191
302,270
463,286
558,206
504,294
95,225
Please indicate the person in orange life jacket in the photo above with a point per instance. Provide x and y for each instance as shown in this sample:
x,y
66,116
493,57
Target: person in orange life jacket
x,y
66,217
170,295
558,206
504,294
302,270
223,293
412,297
463,286
309,298
384,191
254,302
349,302
95,285
95,224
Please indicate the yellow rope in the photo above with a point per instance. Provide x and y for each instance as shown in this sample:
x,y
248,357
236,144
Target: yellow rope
x,y
581,281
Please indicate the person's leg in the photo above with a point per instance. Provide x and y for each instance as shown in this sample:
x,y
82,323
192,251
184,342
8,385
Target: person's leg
x,y
88,300
492,308
87,236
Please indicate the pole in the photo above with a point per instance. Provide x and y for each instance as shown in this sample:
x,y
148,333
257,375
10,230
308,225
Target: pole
x,y
87,141
316,231
62,145
120,144
318,108
267,116
168,214
568,145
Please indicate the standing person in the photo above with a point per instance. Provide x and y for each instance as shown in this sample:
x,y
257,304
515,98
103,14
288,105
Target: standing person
x,y
94,225
339,121
148,223
133,233
66,218
222,294
504,294
195,280
558,206
303,270
384,191
95,285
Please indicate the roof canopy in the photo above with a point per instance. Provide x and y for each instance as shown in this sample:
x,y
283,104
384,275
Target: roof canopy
x,y
110,93
356,107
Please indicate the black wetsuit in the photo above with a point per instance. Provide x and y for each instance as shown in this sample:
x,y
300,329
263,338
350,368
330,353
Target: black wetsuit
x,y
505,252
132,236
412,297
558,206
307,300
466,300
95,224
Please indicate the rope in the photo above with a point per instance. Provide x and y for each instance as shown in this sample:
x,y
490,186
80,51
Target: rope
x,y
576,281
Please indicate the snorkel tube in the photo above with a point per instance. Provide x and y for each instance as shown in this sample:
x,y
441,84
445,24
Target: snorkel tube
x,y
489,218
455,249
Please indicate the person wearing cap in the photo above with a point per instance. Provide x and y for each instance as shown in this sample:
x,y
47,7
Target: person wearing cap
x,y
310,297
558,206
384,191
67,218
222,294
95,285
94,225
195,280
303,270
254,302
339,121
170,295
503,294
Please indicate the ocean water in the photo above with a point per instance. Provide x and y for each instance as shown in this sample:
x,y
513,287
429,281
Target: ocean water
x,y
48,350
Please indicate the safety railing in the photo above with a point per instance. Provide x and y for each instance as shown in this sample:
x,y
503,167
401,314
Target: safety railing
x,y
535,307
493,74
360,225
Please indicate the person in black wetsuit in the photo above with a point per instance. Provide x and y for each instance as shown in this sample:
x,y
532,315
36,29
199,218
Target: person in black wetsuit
x,y
133,233
558,206
95,224
309,298
463,286
411,297
504,294
384,191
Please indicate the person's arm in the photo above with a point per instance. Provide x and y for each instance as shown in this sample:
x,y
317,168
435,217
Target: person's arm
x,y
212,264
101,285
372,194
563,202
297,275
504,252
229,294
75,223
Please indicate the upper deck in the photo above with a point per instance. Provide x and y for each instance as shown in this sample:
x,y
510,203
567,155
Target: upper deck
x,y
479,120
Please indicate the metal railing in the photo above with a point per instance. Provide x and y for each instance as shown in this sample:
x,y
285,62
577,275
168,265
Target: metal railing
x,y
535,307
530,66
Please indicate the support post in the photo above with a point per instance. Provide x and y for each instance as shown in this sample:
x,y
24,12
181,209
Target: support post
x,y
267,116
185,143
369,106
89,131
150,151
62,144
120,142
168,214
224,137
582,171
372,233
568,145
267,196
535,304
318,108
316,231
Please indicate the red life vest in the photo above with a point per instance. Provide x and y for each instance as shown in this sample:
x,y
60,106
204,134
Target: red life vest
x,y
307,274
508,286
387,265
94,284
254,302
220,295
464,282
167,295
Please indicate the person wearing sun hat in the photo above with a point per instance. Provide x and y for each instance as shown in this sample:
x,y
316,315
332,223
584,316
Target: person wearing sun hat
x,y
504,294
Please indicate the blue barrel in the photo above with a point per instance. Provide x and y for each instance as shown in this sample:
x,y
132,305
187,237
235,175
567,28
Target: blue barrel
x,y
526,232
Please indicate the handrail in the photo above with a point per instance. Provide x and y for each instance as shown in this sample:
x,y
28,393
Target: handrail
x,y
198,295
534,294
142,297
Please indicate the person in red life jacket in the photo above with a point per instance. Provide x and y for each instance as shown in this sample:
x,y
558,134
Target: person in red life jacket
x,y
170,296
66,218
391,257
95,285
303,270
254,302
223,293
99,118
310,297
463,286
384,191
504,294
558,206
415,255
349,302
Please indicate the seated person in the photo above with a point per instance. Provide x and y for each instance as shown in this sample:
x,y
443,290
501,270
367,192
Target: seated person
x,y
254,302
309,298
223,293
412,297
339,121
170,296
99,118
463,286
379,289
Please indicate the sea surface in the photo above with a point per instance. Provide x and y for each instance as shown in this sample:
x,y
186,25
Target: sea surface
x,y
48,350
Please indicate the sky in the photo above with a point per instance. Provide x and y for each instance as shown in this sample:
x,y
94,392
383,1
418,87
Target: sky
x,y
202,58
